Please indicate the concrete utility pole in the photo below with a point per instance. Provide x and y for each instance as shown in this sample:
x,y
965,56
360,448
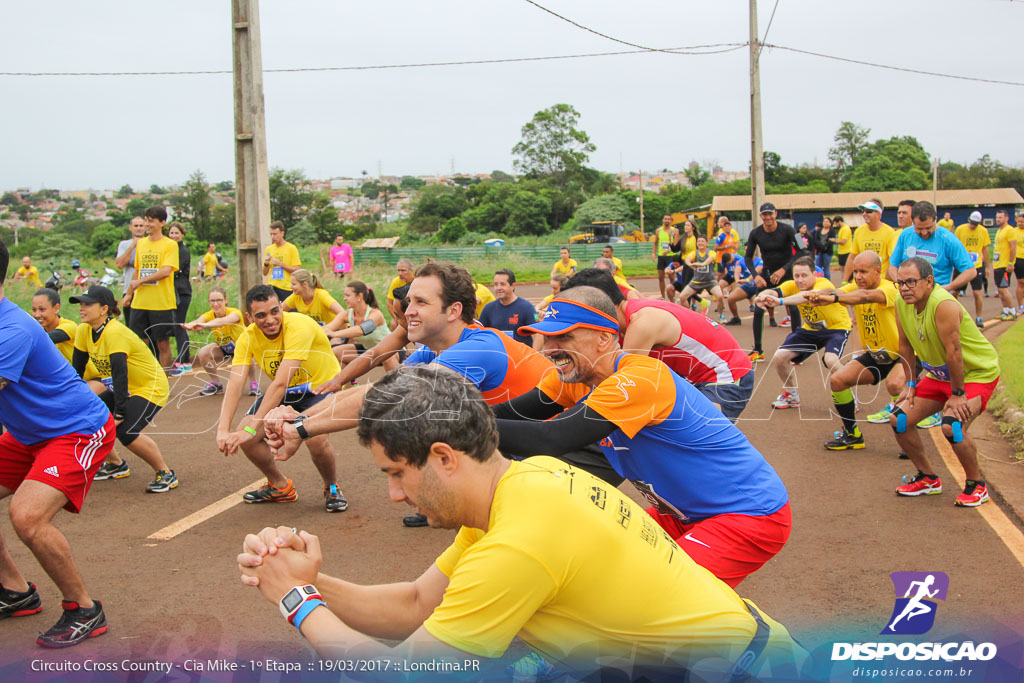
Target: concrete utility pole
x,y
935,182
756,144
641,198
252,185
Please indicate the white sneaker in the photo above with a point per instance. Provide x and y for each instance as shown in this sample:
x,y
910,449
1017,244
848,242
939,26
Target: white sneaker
x,y
787,399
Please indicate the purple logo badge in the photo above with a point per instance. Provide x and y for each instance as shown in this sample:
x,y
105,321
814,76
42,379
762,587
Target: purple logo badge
x,y
917,594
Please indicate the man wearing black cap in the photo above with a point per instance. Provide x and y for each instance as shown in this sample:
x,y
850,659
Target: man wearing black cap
x,y
779,248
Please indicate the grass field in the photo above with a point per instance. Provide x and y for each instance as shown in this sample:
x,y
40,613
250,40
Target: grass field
x,y
1010,346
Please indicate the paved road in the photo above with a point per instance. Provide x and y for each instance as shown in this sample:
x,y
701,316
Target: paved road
x,y
170,600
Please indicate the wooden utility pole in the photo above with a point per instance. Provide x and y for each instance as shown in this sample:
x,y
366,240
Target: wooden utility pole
x,y
641,198
252,185
756,144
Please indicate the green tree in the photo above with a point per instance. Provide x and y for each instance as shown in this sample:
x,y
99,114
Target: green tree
x,y
370,190
302,234
105,237
435,205
849,141
58,248
527,213
156,189
773,167
125,191
323,216
899,163
225,186
136,207
222,224
386,193
10,199
502,177
289,196
412,183
197,205
118,218
552,146
450,233
697,175
608,207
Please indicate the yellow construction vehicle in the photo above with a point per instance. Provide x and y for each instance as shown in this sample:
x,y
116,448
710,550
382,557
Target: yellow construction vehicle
x,y
701,216
609,231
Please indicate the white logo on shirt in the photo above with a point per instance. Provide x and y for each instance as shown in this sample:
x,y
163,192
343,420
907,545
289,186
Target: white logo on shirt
x,y
52,471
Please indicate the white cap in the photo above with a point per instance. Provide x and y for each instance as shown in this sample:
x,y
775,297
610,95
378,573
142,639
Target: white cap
x,y
870,206
975,217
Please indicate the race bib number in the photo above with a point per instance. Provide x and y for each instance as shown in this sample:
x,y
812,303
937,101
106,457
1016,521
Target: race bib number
x,y
974,257
657,502
996,256
340,267
108,382
277,273
939,372
228,349
818,325
146,272
882,357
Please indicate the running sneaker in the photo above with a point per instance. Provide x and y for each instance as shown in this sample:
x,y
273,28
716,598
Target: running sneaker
x,y
772,323
23,604
756,356
785,321
268,493
882,416
334,501
846,442
975,493
721,318
533,668
930,422
179,369
734,321
416,520
919,485
75,625
980,323
787,399
752,308
212,389
111,471
254,388
164,481
1008,316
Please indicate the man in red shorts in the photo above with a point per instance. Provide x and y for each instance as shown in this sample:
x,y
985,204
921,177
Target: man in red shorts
x,y
961,372
707,486
58,434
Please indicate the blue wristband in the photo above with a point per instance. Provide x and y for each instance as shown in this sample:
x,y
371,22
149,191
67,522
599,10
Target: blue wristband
x,y
912,385
304,611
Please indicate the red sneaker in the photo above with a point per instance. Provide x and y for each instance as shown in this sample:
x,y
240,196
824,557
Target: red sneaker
x,y
974,495
919,485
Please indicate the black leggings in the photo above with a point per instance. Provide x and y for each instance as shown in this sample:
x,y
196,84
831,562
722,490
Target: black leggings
x,y
138,414
180,333
794,324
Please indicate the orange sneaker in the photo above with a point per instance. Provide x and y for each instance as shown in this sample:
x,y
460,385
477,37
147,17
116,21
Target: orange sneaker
x,y
268,493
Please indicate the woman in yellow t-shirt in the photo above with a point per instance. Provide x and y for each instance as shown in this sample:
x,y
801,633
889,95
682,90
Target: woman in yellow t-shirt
x,y
134,385
310,298
565,264
46,311
226,324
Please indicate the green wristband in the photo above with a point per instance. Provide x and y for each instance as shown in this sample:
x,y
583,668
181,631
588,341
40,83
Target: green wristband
x,y
249,430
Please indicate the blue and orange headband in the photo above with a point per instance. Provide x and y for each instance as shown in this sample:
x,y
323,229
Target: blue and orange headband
x,y
564,316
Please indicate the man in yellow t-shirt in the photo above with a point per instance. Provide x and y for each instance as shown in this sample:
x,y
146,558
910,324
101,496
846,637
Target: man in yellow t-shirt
x,y
615,593
974,236
946,222
484,296
874,236
1018,268
843,241
293,350
151,291
1007,251
609,252
873,299
28,273
824,327
208,265
280,260
405,275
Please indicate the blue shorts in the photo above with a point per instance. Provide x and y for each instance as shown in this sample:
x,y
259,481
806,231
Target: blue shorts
x,y
301,398
750,289
732,397
806,342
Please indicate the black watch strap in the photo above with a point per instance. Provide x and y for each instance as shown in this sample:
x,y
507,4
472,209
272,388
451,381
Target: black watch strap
x,y
958,392
301,428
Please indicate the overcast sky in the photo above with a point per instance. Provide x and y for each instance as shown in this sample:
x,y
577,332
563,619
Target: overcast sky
x,y
647,111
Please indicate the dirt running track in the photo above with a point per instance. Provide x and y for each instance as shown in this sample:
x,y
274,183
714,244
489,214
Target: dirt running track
x,y
178,599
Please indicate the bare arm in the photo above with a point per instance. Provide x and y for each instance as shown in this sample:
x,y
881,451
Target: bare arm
x,y
648,328
961,280
125,259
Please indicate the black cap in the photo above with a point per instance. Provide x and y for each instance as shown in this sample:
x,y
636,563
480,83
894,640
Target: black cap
x,y
767,207
97,294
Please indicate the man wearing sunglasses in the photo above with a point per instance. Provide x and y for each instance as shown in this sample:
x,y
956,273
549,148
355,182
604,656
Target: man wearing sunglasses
x,y
961,371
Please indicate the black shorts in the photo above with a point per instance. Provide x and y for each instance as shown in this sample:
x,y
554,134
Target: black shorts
x,y
1002,277
665,260
299,400
137,415
806,342
155,325
1018,269
282,294
879,371
977,284
842,259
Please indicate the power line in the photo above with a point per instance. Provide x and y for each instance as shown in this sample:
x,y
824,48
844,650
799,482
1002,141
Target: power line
x,y
770,19
893,68
715,48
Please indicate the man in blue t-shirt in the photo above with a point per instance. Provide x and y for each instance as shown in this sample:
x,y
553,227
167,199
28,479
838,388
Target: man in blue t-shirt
x,y
940,248
508,312
58,434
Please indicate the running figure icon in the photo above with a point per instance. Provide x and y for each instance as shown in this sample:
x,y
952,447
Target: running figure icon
x,y
916,606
